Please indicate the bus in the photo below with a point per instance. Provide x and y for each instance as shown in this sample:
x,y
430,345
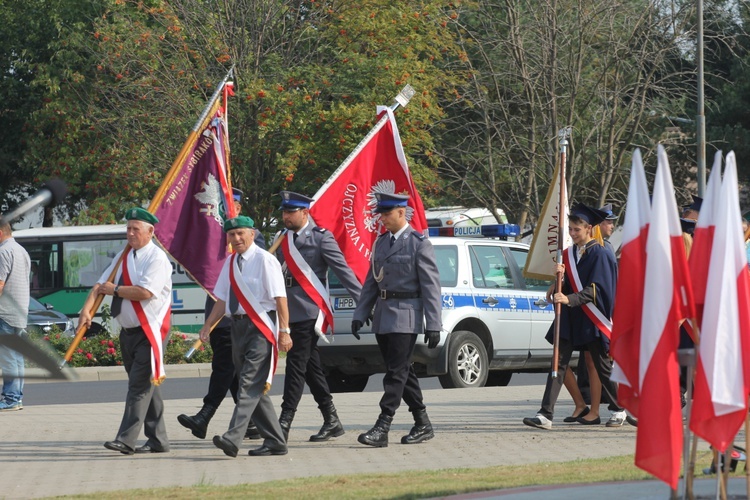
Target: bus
x,y
67,261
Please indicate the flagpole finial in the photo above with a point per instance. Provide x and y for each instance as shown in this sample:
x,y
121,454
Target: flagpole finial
x,y
405,95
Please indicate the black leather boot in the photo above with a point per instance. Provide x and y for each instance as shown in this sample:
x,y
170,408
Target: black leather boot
x,y
378,435
198,424
331,424
422,430
285,421
252,431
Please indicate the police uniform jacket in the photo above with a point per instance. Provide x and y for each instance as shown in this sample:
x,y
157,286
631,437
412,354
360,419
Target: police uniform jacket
x,y
407,266
320,250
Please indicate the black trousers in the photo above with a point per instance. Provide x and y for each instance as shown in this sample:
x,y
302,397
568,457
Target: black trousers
x,y
400,381
603,368
223,375
303,365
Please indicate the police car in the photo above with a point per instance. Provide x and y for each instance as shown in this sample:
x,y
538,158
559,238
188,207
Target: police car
x,y
494,319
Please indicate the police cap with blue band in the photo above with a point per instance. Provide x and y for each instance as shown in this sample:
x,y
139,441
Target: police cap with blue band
x,y
588,214
389,201
237,194
138,213
291,201
238,222
607,209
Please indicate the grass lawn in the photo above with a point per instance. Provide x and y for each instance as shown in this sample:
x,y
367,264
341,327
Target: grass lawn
x,y
414,484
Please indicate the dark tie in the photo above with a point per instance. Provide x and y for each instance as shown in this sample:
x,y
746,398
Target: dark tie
x,y
295,236
117,301
233,302
393,240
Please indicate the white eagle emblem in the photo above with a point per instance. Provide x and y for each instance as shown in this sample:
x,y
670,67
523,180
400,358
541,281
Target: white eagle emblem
x,y
210,198
371,218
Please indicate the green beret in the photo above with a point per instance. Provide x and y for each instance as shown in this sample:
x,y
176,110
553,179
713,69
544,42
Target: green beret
x,y
138,213
238,222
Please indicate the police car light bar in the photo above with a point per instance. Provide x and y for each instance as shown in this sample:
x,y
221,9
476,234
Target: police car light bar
x,y
489,231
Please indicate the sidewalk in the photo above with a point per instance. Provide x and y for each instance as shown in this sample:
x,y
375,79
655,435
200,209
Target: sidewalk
x,y
57,449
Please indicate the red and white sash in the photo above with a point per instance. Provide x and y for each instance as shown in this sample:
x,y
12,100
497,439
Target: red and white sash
x,y
257,314
310,283
155,324
603,323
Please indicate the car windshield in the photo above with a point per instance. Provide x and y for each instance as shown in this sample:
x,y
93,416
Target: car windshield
x,y
35,305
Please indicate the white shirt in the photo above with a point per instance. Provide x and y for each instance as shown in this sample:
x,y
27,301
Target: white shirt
x,y
398,233
262,273
152,272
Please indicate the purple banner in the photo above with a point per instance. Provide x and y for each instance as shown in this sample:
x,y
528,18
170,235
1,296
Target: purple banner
x,y
191,213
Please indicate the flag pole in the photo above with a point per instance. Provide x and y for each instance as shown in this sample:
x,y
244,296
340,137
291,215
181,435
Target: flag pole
x,y
563,136
189,142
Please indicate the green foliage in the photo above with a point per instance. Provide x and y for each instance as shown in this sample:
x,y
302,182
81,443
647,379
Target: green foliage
x,y
104,350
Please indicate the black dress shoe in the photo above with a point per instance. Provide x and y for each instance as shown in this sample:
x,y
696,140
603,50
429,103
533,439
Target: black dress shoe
x,y
265,451
226,446
119,446
149,449
574,418
583,421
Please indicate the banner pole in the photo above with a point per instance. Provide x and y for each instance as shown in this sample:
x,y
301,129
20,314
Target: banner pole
x,y
563,135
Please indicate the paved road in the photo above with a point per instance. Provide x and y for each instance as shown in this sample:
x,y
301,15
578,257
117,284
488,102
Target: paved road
x,y
56,449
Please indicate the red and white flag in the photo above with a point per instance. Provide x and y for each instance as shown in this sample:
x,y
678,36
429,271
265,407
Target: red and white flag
x,y
345,204
666,300
723,369
626,330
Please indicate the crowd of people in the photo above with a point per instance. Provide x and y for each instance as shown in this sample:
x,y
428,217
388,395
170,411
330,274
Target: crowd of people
x,y
266,302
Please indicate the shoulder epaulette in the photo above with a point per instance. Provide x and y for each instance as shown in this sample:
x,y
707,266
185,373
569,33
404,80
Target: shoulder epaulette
x,y
319,229
418,235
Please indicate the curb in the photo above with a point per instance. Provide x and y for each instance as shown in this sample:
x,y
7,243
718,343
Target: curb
x,y
109,373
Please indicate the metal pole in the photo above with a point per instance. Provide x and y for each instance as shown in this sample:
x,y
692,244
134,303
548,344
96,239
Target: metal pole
x,y
701,118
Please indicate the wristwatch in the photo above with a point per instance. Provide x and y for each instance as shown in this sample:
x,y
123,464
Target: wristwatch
x,y
285,330
116,292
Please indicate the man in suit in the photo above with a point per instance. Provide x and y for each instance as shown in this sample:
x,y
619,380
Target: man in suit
x,y
403,285
250,289
306,253
142,293
223,377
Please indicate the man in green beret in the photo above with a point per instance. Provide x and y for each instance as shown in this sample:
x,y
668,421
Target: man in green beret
x,y
141,301
250,289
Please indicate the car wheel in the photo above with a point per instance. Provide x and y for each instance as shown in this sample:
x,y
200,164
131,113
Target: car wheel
x,y
499,378
341,382
467,362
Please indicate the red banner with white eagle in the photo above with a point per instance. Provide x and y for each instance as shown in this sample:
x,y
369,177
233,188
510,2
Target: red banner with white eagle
x,y
345,205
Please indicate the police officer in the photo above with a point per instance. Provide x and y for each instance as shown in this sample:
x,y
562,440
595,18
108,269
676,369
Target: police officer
x,y
607,227
141,302
318,250
223,377
250,289
404,287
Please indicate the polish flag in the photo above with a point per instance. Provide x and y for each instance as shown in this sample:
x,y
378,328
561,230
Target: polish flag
x,y
667,300
626,319
723,373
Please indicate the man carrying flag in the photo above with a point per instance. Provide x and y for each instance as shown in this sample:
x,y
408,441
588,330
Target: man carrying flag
x,y
306,252
250,289
588,292
142,294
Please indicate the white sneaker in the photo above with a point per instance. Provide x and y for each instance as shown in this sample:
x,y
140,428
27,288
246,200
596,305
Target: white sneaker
x,y
540,421
617,419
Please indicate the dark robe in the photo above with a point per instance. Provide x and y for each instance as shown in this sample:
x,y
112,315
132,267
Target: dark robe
x,y
597,266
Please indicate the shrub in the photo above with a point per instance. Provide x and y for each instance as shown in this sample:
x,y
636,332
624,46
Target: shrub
x,y
104,350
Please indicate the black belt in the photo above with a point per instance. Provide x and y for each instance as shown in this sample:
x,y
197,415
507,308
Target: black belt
x,y
239,316
388,294
135,329
291,282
